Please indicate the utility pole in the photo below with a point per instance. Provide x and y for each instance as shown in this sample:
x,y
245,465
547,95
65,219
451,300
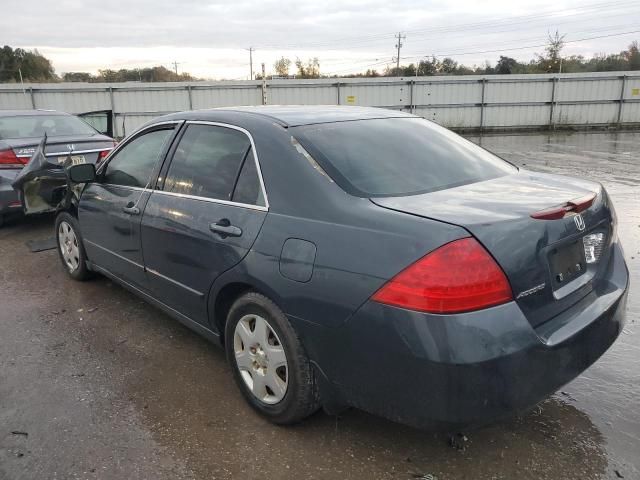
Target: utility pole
x,y
264,85
22,82
400,37
251,50
175,66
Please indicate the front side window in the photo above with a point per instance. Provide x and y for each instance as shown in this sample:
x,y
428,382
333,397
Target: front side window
x,y
207,162
133,164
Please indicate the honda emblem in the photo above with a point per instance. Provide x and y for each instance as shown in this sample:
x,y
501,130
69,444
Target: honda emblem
x,y
579,221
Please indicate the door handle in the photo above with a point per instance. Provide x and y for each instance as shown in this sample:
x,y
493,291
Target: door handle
x,y
131,209
225,229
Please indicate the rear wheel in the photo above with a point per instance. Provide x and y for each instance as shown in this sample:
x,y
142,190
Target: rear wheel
x,y
70,247
269,364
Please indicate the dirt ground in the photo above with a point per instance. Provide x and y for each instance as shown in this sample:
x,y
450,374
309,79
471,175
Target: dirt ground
x,y
96,384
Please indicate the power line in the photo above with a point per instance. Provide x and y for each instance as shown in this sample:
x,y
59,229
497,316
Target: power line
x,y
615,28
528,46
608,29
496,21
456,54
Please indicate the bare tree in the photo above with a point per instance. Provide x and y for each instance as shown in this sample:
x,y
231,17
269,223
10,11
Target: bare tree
x,y
282,67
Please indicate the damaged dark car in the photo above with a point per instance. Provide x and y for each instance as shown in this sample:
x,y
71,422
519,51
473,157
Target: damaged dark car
x,y
69,141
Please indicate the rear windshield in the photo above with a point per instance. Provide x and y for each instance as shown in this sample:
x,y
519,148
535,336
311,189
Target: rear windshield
x,y
26,126
397,156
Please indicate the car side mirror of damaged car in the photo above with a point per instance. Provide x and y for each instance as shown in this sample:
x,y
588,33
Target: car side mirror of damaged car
x,y
82,173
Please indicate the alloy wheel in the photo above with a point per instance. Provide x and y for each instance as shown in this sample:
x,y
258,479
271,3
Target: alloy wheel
x,y
69,248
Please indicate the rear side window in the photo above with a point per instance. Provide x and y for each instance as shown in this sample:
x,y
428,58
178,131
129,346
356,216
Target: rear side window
x,y
207,162
397,156
248,189
26,126
133,164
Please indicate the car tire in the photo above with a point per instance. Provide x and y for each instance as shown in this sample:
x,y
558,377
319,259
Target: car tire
x,y
264,364
71,247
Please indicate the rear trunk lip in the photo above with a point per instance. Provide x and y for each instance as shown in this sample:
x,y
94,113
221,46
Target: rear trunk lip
x,y
538,308
78,152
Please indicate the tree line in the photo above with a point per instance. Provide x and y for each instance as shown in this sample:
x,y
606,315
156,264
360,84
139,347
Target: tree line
x,y
150,74
550,61
18,65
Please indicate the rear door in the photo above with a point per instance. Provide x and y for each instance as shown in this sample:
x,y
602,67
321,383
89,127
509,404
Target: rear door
x,y
110,209
101,120
203,216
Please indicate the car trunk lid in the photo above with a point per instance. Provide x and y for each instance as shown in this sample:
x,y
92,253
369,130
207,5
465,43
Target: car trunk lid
x,y
58,148
544,260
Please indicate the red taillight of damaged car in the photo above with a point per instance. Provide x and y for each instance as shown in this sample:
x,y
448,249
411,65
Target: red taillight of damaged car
x,y
8,159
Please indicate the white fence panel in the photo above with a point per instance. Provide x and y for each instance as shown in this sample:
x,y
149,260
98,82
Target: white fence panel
x,y
141,100
456,118
72,101
302,95
524,115
385,94
581,90
210,97
518,91
586,114
462,102
630,113
15,101
445,93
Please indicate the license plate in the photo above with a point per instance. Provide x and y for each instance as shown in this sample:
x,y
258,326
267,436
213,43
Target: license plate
x,y
567,263
75,159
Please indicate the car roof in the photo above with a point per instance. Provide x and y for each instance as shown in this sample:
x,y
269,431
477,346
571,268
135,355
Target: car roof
x,y
297,115
23,113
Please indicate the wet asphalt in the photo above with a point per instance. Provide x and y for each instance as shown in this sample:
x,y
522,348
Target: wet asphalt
x,y
96,384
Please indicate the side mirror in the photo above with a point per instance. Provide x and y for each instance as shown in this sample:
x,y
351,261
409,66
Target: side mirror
x,y
82,173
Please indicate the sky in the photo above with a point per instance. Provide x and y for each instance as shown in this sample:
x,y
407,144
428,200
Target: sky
x,y
210,38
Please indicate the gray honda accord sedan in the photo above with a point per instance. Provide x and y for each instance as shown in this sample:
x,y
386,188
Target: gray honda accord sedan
x,y
359,257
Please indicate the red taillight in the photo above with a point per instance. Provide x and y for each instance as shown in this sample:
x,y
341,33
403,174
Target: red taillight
x,y
102,154
574,206
458,277
8,159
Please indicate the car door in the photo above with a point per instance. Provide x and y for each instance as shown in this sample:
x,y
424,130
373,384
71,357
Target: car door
x,y
101,120
110,209
204,215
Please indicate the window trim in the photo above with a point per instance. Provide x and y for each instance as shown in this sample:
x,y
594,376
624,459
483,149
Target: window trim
x,y
262,208
142,131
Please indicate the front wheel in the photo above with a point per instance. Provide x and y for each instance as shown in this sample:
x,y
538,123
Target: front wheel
x,y
70,247
269,364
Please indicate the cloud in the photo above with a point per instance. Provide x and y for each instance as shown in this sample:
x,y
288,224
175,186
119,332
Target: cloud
x,y
208,37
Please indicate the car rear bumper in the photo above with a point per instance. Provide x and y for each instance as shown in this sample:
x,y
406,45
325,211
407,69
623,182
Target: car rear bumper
x,y
9,198
442,371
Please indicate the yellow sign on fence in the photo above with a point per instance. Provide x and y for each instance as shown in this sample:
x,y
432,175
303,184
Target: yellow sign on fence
x,y
635,91
351,99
